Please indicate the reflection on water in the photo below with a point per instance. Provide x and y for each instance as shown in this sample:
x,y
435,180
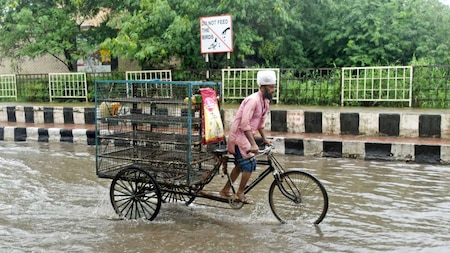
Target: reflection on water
x,y
52,201
383,206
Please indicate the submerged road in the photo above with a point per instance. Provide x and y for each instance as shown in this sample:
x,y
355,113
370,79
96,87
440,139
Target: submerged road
x,y
52,201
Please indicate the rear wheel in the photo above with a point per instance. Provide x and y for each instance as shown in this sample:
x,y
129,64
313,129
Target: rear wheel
x,y
298,196
135,194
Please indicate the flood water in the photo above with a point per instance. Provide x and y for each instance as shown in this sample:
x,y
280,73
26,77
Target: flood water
x,y
52,201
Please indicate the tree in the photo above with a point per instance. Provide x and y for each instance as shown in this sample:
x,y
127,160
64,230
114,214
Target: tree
x,y
286,33
369,33
34,28
273,33
158,31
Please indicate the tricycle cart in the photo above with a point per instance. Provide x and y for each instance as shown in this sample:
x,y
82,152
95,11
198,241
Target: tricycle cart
x,y
151,142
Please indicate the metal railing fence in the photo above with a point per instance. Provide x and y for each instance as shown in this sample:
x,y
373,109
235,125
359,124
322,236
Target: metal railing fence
x,y
152,90
68,86
377,84
310,86
239,83
8,88
303,86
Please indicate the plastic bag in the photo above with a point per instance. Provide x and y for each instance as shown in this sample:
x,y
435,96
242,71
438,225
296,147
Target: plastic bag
x,y
212,125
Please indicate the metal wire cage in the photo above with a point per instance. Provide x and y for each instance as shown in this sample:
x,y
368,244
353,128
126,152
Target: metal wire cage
x,y
154,125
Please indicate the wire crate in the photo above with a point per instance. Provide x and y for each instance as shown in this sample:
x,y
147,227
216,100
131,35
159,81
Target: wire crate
x,y
154,125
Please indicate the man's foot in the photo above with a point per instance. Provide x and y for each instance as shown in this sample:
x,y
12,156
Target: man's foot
x,y
244,199
224,194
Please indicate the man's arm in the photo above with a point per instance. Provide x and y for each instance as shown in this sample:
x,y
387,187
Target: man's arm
x,y
254,147
263,136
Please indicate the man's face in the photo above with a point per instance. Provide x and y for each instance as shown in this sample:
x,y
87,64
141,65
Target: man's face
x,y
268,90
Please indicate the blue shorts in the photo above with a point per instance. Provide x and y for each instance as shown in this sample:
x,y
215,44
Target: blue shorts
x,y
245,164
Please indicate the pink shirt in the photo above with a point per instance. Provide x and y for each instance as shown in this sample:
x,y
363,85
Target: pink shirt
x,y
251,115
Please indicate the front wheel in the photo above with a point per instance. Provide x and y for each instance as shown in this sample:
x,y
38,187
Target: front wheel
x,y
298,196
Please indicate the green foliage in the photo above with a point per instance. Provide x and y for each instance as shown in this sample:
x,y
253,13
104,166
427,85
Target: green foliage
x,y
310,86
286,33
35,92
153,33
266,33
431,87
166,32
90,79
310,93
371,33
31,29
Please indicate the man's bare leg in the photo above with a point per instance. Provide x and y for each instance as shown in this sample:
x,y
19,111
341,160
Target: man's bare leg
x,y
225,192
240,193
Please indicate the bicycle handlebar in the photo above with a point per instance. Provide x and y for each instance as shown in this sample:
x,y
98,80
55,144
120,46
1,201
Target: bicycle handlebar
x,y
266,150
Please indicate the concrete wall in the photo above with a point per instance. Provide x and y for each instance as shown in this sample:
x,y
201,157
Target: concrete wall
x,y
365,134
397,124
359,122
47,115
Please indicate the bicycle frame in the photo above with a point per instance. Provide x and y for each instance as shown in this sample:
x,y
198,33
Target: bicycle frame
x,y
260,177
289,185
223,161
274,168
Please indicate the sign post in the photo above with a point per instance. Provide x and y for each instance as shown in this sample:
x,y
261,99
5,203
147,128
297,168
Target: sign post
x,y
216,36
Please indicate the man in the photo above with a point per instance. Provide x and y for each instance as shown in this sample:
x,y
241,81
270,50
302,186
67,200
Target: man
x,y
249,119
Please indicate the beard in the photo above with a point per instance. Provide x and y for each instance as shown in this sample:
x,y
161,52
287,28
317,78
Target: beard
x,y
267,95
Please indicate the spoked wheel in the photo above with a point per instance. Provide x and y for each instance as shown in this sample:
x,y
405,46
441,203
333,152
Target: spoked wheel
x,y
174,194
135,194
298,196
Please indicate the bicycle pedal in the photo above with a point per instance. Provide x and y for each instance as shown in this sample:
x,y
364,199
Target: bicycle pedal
x,y
235,203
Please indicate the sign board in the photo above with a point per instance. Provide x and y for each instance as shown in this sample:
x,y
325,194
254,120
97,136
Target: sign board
x,y
216,34
98,61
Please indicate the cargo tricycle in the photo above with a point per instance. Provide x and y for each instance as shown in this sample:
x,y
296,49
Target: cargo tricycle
x,y
159,143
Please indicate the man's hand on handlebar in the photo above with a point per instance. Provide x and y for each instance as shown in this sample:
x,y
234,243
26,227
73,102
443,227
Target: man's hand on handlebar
x,y
254,149
265,150
267,142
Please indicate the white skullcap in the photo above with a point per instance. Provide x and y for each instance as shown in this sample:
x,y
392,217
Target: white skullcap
x,y
266,77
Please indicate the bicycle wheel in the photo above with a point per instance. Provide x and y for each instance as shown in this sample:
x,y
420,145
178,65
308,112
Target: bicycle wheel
x,y
177,194
135,194
298,196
